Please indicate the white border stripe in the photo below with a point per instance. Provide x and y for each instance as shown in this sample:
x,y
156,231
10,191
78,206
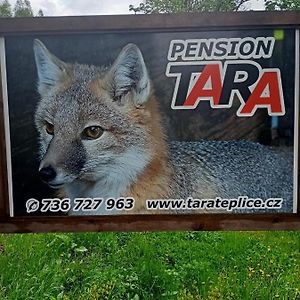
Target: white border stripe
x,y
296,125
6,124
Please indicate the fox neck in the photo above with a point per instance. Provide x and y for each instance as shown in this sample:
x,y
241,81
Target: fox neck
x,y
153,183
99,189
155,180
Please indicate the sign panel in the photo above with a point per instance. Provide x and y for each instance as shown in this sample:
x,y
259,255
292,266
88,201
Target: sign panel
x,y
185,123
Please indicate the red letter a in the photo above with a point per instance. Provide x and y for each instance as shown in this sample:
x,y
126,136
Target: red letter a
x,y
274,101
198,92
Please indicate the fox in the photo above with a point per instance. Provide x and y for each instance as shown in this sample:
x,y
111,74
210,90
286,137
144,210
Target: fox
x,y
101,134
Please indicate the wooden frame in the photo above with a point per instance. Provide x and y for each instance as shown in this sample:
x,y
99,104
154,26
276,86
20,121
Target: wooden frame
x,y
138,23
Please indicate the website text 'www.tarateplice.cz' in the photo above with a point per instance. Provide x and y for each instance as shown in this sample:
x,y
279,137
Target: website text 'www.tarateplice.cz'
x,y
218,203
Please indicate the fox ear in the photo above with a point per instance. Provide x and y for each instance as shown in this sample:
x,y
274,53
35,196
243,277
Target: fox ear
x,y
49,68
129,74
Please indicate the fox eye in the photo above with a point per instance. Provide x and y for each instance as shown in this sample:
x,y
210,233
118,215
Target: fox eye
x,y
92,132
49,128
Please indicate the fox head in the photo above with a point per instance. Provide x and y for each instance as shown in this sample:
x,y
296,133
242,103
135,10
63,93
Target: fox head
x,y
94,123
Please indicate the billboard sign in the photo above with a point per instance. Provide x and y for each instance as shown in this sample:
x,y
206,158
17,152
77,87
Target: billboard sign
x,y
111,127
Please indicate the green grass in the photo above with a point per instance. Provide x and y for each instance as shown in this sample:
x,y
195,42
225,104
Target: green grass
x,y
182,265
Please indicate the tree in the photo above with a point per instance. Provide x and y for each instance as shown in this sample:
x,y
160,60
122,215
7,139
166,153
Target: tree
x,y
5,9
282,4
40,13
174,6
23,9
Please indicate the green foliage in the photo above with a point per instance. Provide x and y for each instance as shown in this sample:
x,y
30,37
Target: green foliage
x,y
282,4
136,266
23,9
5,9
175,6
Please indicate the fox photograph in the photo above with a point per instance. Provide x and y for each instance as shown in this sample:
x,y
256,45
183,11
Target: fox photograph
x,y
152,123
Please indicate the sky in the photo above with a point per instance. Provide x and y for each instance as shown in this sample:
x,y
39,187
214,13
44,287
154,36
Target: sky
x,y
96,7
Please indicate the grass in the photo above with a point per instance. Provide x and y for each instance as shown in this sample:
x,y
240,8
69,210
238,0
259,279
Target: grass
x,y
181,265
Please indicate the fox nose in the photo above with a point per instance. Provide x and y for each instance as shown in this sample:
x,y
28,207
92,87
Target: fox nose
x,y
47,173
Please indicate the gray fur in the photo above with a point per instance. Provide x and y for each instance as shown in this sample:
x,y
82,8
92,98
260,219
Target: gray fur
x,y
234,168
